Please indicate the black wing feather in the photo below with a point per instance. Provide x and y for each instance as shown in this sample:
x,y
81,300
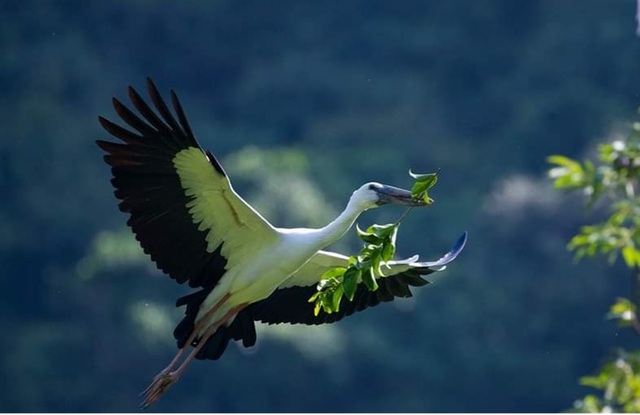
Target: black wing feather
x,y
291,305
181,117
161,106
147,112
149,188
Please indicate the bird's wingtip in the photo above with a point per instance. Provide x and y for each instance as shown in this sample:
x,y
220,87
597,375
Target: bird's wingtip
x,y
453,253
457,247
460,243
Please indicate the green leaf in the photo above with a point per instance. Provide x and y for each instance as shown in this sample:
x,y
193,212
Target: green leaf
x,y
425,177
388,250
422,184
631,256
624,311
564,162
369,280
418,188
368,236
569,173
315,296
333,273
350,282
336,298
590,404
593,381
383,231
377,262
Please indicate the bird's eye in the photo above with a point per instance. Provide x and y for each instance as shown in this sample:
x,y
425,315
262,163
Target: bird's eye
x,y
374,186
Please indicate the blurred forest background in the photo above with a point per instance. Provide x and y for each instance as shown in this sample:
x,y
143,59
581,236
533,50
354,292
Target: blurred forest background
x,y
322,96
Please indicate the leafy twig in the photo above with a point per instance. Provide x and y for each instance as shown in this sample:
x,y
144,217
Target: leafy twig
x,y
379,248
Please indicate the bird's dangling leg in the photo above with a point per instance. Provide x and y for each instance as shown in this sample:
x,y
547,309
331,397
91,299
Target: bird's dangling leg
x,y
197,328
166,378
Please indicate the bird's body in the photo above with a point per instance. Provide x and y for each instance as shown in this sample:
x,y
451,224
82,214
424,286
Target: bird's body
x,y
257,279
276,253
188,218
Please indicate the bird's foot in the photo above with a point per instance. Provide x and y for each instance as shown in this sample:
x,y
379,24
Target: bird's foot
x,y
158,387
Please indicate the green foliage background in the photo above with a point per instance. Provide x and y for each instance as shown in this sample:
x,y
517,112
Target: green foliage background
x,y
322,96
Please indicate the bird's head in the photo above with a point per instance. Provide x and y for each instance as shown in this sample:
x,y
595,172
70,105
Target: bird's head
x,y
373,194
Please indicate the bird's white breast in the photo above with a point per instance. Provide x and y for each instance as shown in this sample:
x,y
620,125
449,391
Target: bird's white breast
x,y
257,276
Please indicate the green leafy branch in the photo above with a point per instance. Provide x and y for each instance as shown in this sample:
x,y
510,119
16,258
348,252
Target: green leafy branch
x,y
613,178
616,175
379,248
620,381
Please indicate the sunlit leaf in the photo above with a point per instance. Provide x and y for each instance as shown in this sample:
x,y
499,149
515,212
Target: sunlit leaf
x,y
315,296
369,280
336,298
422,184
418,189
368,236
333,273
377,262
565,162
568,174
624,311
631,256
383,231
388,250
350,282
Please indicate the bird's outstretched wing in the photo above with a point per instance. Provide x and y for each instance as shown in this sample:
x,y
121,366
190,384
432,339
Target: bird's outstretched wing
x,y
290,302
181,205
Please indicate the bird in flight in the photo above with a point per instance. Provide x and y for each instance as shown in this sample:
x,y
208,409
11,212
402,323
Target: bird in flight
x,y
188,218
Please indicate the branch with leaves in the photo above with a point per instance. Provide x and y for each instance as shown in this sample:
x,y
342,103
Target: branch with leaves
x,y
379,248
613,179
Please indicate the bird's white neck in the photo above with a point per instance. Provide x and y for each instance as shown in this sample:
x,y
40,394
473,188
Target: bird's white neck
x,y
340,225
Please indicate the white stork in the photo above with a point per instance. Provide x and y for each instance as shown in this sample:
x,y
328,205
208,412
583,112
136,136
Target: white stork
x,y
197,229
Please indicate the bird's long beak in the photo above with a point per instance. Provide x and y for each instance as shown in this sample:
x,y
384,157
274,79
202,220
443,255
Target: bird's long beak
x,y
391,194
